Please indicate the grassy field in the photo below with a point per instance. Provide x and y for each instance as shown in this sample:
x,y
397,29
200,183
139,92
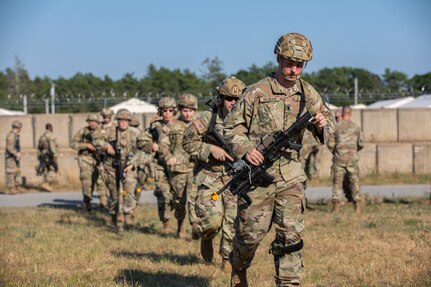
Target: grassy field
x,y
388,245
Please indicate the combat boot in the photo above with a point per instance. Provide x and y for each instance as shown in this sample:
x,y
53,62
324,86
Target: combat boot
x,y
46,186
103,202
225,265
207,250
335,206
166,226
128,220
120,223
358,206
87,205
196,231
20,189
181,230
238,278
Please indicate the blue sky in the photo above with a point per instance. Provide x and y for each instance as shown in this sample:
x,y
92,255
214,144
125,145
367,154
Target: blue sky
x,y
106,37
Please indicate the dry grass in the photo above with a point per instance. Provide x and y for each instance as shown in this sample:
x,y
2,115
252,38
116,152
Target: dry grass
x,y
388,245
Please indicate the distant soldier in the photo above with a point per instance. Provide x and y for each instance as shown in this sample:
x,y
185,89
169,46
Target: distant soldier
x,y
47,154
344,146
85,141
148,141
201,140
13,157
134,124
107,115
178,160
122,200
309,155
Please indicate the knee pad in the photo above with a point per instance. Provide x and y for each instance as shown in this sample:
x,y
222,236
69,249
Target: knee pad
x,y
278,249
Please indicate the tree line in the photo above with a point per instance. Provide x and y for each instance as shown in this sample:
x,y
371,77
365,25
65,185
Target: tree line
x,y
336,85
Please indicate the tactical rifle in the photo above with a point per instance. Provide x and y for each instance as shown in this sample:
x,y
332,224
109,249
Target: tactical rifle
x,y
119,172
245,176
44,161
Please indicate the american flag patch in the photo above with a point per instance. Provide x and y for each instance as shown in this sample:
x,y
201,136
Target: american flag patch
x,y
199,126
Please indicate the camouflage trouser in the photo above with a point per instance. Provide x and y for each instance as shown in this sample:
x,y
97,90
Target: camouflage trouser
x,y
88,175
283,205
164,195
13,173
181,184
218,214
49,175
128,204
348,173
101,188
191,204
310,159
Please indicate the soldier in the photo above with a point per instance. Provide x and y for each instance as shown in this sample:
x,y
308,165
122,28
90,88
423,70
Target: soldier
x,y
178,160
347,142
143,160
122,200
85,142
200,141
148,141
309,155
107,115
13,157
270,105
47,154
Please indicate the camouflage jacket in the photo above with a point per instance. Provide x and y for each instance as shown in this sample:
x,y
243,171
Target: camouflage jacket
x,y
348,140
47,145
171,145
267,107
86,135
127,140
152,135
197,144
12,144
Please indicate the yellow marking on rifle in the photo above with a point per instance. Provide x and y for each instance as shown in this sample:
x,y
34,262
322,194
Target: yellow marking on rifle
x,y
138,189
124,193
214,196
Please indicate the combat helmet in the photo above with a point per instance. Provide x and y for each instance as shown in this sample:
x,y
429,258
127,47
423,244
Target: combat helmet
x,y
123,114
294,46
188,101
231,87
167,102
106,112
93,118
135,121
17,124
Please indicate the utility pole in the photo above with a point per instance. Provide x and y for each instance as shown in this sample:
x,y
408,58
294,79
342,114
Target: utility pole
x,y
24,103
46,106
52,91
356,90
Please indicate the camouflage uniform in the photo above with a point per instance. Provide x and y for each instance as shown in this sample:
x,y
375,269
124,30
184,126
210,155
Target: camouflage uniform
x,y
87,160
12,167
171,146
267,107
347,142
211,175
310,156
158,168
122,201
47,154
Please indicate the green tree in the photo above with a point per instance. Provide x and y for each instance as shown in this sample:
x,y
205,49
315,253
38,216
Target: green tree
x,y
395,81
421,83
255,73
213,73
18,79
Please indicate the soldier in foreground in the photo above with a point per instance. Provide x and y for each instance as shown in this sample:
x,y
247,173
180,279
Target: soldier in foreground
x,y
270,105
85,142
120,170
201,141
344,146
47,154
179,162
12,160
148,142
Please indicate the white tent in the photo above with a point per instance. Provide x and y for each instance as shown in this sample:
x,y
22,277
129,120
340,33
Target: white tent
x,y
423,101
358,106
135,105
4,112
391,104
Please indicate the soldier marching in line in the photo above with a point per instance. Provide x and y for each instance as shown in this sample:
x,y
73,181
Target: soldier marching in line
x,y
148,142
178,161
14,181
47,154
273,104
120,170
201,141
85,142
344,146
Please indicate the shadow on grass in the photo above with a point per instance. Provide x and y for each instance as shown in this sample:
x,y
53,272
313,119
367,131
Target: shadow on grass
x,y
187,259
135,277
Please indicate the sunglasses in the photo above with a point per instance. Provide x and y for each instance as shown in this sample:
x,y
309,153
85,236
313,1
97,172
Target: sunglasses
x,y
168,110
229,99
